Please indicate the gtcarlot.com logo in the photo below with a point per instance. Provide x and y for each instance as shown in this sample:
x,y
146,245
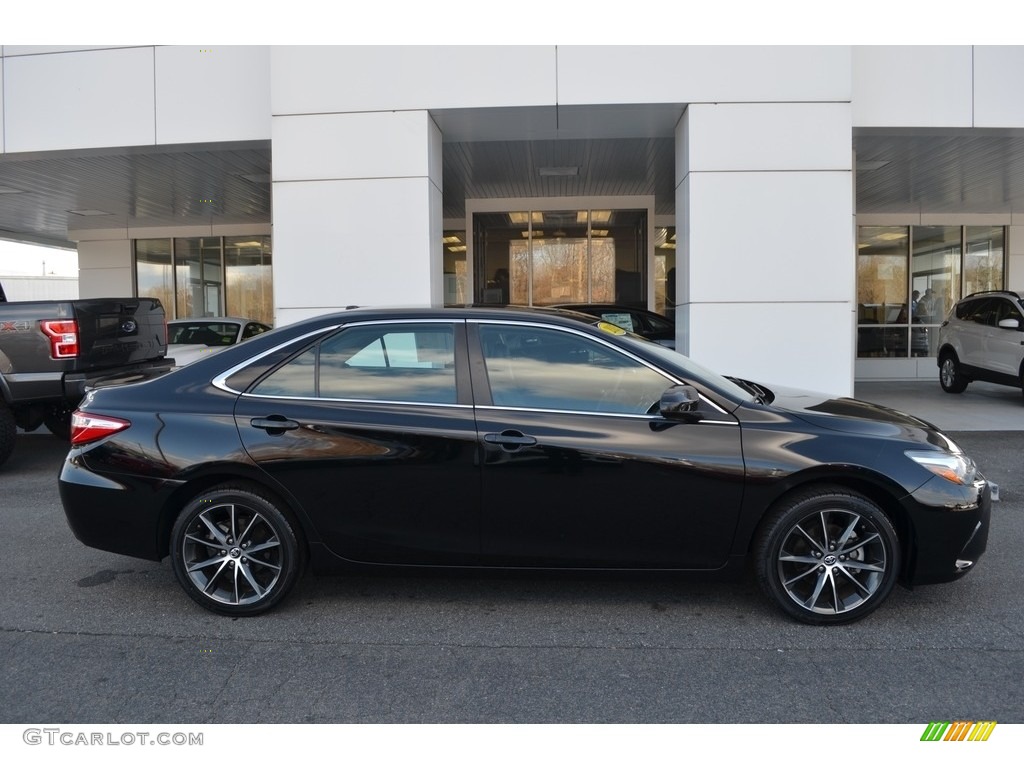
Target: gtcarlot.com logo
x,y
960,730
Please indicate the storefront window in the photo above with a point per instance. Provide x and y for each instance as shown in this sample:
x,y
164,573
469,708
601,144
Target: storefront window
x,y
249,277
665,271
207,276
882,312
153,275
983,259
540,258
454,260
909,277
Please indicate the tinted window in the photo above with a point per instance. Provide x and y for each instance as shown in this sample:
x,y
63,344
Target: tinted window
x,y
210,334
1008,311
254,329
394,362
558,370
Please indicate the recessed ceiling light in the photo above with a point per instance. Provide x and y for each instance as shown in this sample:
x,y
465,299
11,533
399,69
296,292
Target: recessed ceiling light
x,y
90,212
559,170
10,191
256,178
871,165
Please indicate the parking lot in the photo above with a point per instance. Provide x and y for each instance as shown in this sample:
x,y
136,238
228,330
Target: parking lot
x,y
91,637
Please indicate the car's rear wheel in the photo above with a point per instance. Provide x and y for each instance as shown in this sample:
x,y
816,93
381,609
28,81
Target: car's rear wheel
x,y
950,376
827,556
235,551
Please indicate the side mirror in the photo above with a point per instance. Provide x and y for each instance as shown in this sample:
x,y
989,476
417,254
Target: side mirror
x,y
681,403
1010,322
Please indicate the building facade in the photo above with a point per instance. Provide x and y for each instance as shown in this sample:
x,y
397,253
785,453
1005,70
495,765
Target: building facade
x,y
782,203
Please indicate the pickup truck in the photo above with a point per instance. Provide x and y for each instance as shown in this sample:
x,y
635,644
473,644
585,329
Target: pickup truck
x,y
51,352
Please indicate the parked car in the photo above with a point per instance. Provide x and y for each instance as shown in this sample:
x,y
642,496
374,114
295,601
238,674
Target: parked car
x,y
511,438
643,322
52,351
982,339
190,338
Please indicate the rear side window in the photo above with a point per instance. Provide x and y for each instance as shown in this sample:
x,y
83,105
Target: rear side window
x,y
400,362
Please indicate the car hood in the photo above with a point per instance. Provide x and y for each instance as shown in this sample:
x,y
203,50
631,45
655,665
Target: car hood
x,y
844,414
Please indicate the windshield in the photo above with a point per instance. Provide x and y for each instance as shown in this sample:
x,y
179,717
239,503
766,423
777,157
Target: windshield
x,y
209,334
697,372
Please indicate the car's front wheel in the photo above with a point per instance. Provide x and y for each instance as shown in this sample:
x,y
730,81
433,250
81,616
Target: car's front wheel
x,y
827,556
950,376
234,551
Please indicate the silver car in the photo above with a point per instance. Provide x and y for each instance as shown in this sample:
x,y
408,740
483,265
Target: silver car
x,y
983,340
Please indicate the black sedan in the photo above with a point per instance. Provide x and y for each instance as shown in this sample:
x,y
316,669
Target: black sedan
x,y
510,439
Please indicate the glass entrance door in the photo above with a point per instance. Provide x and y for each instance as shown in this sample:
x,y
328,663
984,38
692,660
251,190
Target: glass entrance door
x,y
540,258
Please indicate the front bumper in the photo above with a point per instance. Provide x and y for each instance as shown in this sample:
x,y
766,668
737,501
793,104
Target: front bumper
x,y
949,529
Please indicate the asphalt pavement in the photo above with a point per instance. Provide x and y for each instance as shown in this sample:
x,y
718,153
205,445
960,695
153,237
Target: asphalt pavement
x,y
92,637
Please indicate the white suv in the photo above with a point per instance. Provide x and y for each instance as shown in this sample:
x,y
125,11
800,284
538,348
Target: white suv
x,y
983,340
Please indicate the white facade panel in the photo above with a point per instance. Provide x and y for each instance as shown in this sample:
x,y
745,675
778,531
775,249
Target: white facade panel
x,y
105,268
104,282
99,98
652,74
758,342
769,137
756,237
212,93
309,79
1015,258
919,85
104,255
2,132
353,146
997,77
336,243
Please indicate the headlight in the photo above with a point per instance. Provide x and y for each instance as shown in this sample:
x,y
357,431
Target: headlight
x,y
955,467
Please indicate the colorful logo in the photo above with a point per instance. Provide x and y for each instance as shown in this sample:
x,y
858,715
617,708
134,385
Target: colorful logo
x,y
961,730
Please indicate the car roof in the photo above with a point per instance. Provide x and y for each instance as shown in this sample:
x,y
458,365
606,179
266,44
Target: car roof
x,y
223,319
979,294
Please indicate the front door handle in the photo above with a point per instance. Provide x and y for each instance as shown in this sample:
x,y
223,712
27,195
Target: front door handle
x,y
510,439
275,425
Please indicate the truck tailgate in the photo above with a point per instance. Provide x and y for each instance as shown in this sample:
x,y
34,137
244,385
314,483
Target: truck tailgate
x,y
116,332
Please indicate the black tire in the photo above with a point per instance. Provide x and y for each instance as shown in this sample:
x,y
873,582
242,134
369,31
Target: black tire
x,y
8,431
805,556
212,546
58,421
951,378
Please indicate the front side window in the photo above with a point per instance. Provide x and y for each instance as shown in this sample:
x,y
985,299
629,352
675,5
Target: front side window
x,y
544,368
401,362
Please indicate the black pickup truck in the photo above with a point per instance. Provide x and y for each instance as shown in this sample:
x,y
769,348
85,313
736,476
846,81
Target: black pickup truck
x,y
52,351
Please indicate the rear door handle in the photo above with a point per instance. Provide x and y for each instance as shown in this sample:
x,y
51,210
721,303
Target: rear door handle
x,y
510,439
275,425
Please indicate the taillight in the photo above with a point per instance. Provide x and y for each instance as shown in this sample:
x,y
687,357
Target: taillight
x,y
63,336
86,427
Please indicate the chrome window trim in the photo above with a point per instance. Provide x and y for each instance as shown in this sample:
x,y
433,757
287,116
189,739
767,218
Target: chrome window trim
x,y
356,400
606,414
220,382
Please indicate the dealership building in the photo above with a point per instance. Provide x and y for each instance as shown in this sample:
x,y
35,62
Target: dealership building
x,y
806,214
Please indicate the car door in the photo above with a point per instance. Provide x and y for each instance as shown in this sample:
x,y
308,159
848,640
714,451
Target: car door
x,y
371,431
576,470
1003,345
978,319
